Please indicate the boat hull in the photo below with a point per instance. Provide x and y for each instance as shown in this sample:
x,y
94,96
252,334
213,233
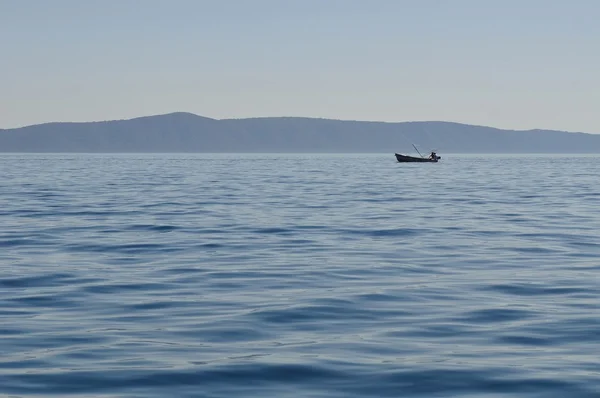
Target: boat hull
x,y
411,159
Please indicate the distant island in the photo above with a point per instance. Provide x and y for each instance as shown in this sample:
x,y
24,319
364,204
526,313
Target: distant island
x,y
186,132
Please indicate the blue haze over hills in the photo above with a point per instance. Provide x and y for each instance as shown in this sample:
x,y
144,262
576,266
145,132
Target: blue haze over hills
x,y
186,132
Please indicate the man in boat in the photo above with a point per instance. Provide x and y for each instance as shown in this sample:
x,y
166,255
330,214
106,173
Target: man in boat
x,y
433,156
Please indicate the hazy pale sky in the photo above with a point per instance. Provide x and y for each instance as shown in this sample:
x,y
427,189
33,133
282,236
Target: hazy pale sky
x,y
505,63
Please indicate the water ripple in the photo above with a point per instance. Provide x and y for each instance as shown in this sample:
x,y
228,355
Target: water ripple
x,y
299,275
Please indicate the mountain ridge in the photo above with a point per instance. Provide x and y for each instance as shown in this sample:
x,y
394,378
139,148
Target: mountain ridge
x,y
189,132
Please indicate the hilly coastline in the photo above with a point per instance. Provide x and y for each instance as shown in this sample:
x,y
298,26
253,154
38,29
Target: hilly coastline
x,y
186,132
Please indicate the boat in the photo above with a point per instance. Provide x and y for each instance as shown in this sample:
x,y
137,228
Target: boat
x,y
410,159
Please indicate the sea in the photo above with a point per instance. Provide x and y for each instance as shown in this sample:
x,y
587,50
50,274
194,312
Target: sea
x,y
299,275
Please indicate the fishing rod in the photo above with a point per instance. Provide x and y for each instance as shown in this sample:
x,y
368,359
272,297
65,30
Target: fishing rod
x,y
417,150
414,146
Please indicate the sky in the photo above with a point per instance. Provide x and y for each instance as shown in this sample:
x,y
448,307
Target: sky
x,y
517,64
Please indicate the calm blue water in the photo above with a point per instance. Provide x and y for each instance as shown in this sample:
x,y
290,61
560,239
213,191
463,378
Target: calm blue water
x,y
299,276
